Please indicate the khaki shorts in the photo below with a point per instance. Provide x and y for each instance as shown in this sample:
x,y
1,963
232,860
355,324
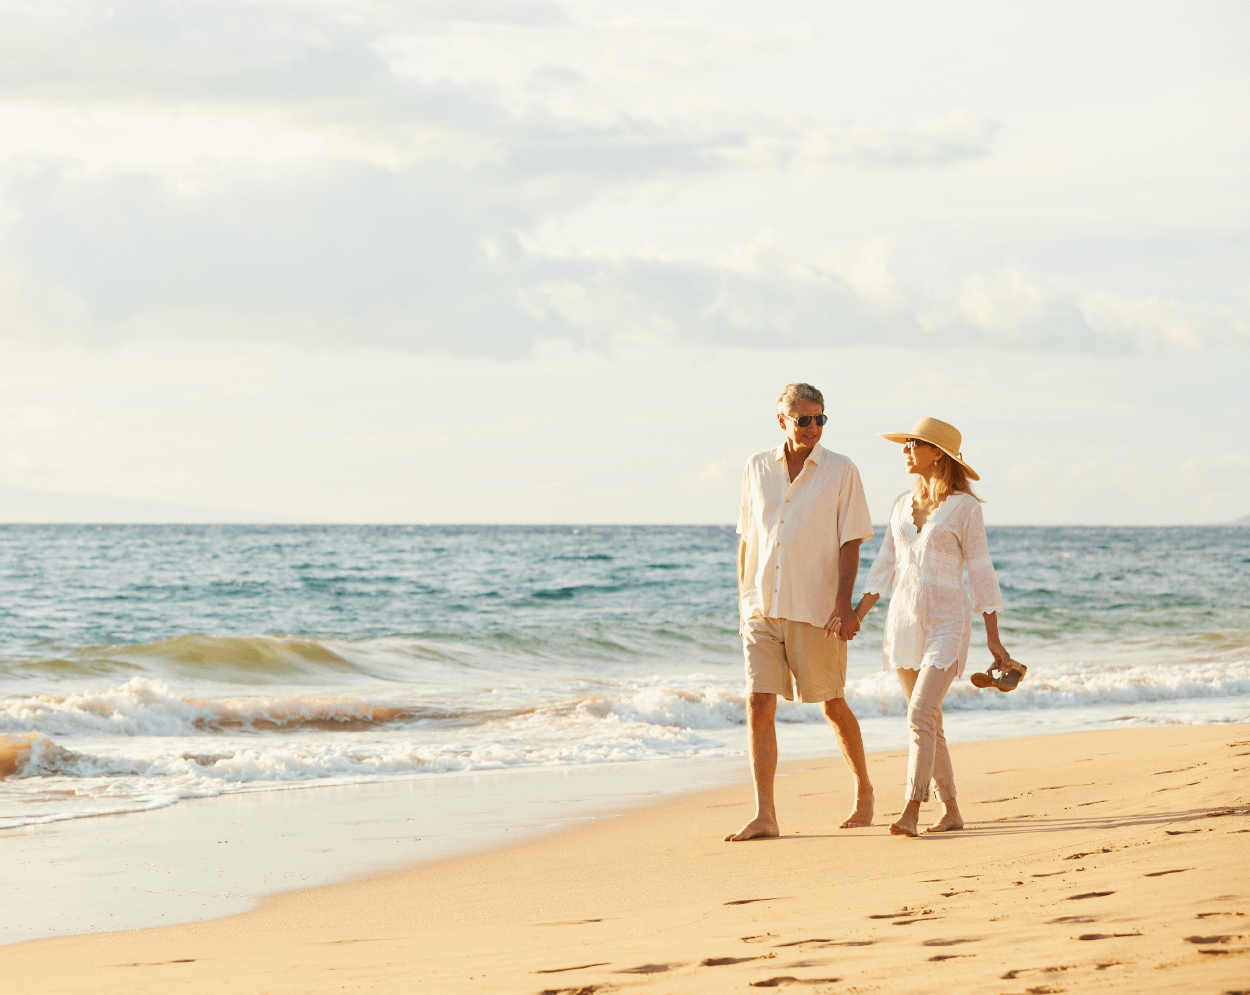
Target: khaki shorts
x,y
782,655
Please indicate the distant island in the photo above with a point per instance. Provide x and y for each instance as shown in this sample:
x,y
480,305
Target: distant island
x,y
1243,520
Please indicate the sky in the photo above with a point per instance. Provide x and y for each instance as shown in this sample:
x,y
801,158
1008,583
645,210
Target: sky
x,y
552,262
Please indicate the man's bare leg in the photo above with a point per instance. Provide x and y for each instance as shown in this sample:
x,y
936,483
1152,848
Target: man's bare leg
x,y
761,726
851,743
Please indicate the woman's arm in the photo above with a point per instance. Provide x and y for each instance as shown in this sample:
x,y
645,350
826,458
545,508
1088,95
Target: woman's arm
x,y
865,605
986,596
992,642
880,577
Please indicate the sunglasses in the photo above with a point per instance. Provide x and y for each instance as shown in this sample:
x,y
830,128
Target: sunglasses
x,y
804,420
913,443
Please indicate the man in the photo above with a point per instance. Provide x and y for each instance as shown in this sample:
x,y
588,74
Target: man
x,y
802,521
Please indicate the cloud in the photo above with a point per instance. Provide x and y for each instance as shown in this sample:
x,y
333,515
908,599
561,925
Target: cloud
x,y
377,174
947,141
1162,323
436,258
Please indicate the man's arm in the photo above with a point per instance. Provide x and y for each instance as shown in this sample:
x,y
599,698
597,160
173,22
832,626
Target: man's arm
x,y
843,619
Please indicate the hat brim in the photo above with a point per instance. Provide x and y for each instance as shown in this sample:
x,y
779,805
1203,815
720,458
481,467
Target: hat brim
x,y
902,437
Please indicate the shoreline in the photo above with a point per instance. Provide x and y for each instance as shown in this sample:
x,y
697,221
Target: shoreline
x,y
209,858
1091,859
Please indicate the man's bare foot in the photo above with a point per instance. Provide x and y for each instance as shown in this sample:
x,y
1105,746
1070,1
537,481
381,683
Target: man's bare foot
x,y
758,828
861,814
903,828
947,824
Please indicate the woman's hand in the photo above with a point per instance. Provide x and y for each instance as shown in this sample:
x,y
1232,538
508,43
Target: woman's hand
x,y
1001,657
855,617
843,622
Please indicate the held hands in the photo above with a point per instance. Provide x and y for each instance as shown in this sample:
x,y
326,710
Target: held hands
x,y
843,622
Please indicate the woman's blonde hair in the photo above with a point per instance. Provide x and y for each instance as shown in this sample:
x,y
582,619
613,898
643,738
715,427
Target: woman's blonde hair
x,y
948,478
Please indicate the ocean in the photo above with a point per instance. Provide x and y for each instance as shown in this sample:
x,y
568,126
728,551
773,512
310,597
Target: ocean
x,y
153,664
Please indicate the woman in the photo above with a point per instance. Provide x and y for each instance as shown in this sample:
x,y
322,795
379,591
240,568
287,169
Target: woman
x,y
935,529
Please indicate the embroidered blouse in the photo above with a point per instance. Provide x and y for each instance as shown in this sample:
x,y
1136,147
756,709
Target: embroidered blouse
x,y
929,622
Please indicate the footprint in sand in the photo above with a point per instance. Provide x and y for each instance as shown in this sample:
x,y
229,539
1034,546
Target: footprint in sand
x,y
158,963
951,943
939,957
569,922
1105,936
1159,874
1090,894
1071,919
648,969
788,980
827,943
583,990
579,967
1180,770
1012,975
748,901
722,961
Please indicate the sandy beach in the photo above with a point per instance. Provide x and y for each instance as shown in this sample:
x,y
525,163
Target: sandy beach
x,y
1107,860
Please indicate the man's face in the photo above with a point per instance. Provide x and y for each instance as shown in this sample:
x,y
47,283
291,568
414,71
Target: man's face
x,y
799,437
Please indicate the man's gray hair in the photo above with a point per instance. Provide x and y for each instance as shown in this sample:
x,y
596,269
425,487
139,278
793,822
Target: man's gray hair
x,y
799,392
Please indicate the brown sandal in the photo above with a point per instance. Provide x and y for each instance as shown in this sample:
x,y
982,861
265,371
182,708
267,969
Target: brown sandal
x,y
1004,678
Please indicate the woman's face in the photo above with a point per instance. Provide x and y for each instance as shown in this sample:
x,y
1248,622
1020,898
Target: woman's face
x,y
921,457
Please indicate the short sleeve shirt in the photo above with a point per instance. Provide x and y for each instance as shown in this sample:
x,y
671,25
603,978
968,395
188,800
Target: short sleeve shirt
x,y
794,532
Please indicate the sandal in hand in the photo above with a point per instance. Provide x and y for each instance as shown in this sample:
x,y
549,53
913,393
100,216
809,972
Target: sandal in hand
x,y
1005,678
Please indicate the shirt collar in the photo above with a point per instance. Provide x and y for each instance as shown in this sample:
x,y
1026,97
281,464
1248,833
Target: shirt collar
x,y
814,456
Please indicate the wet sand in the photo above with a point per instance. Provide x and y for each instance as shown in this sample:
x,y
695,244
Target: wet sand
x,y
207,858
1109,861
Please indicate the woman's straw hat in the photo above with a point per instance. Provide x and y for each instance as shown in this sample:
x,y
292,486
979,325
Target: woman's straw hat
x,y
939,433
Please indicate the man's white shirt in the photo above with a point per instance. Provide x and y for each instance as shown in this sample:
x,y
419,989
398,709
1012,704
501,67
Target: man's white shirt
x,y
795,531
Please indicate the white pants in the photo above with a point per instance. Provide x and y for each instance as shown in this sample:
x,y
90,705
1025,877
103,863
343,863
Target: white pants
x,y
928,759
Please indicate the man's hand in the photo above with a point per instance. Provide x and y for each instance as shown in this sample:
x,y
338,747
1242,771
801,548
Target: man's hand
x,y
843,619
843,622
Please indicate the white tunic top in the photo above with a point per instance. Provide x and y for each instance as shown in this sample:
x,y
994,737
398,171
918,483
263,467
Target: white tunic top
x,y
930,623
794,532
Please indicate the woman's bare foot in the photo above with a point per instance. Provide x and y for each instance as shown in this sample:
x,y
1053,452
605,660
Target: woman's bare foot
x,y
861,814
951,820
905,824
761,827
